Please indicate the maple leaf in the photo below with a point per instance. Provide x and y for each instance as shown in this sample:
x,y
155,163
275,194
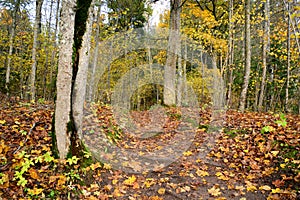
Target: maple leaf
x,y
187,153
129,181
161,191
214,191
202,173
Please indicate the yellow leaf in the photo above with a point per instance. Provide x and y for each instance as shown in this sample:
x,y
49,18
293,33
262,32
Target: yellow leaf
x,y
202,173
251,188
265,187
35,191
149,182
214,191
130,180
277,191
161,191
2,121
107,187
114,181
117,193
107,166
187,153
95,166
275,153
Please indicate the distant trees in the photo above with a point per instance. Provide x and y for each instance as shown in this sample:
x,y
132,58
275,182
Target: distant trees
x,y
28,64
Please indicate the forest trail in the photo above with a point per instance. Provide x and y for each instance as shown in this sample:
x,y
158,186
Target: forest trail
x,y
243,163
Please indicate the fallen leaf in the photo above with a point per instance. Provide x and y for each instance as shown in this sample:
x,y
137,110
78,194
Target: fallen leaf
x,y
214,191
161,191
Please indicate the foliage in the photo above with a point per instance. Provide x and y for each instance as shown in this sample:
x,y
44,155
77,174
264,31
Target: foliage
x,y
249,161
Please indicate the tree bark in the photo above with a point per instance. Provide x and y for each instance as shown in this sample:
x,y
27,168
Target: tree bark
x,y
64,78
81,76
170,68
266,43
53,62
247,57
230,52
37,27
11,46
288,58
95,58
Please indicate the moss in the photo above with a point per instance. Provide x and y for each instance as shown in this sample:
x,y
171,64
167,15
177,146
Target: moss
x,y
54,140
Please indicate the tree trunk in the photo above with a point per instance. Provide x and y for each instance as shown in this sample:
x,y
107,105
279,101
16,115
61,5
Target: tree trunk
x,y
95,58
230,53
170,68
53,62
37,27
81,76
11,46
247,57
46,48
71,77
288,58
266,43
179,76
64,78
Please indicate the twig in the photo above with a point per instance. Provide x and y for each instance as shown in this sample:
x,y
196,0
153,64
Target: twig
x,y
26,139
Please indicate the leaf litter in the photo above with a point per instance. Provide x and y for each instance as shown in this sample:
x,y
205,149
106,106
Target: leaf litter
x,y
246,161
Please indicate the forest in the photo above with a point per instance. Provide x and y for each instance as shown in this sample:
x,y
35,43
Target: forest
x,y
150,99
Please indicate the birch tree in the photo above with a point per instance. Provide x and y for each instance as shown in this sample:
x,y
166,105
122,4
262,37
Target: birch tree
x,y
37,30
247,57
11,45
265,50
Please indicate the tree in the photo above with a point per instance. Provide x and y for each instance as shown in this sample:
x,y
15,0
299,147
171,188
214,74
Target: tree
x,y
127,14
173,48
11,43
74,41
247,56
64,78
288,56
37,30
265,50
230,51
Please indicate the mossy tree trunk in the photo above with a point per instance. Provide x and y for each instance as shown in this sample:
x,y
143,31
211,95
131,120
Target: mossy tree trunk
x,y
73,49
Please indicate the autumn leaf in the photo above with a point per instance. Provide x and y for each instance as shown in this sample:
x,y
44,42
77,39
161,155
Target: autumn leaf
x,y
214,191
202,173
35,191
33,174
161,191
129,181
187,153
265,187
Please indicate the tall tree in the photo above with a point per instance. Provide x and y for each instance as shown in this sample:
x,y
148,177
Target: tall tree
x,y
247,56
37,30
265,50
95,57
170,67
230,51
64,78
288,56
73,43
11,44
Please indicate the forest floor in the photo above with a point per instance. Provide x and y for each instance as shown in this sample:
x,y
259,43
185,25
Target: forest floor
x,y
249,156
